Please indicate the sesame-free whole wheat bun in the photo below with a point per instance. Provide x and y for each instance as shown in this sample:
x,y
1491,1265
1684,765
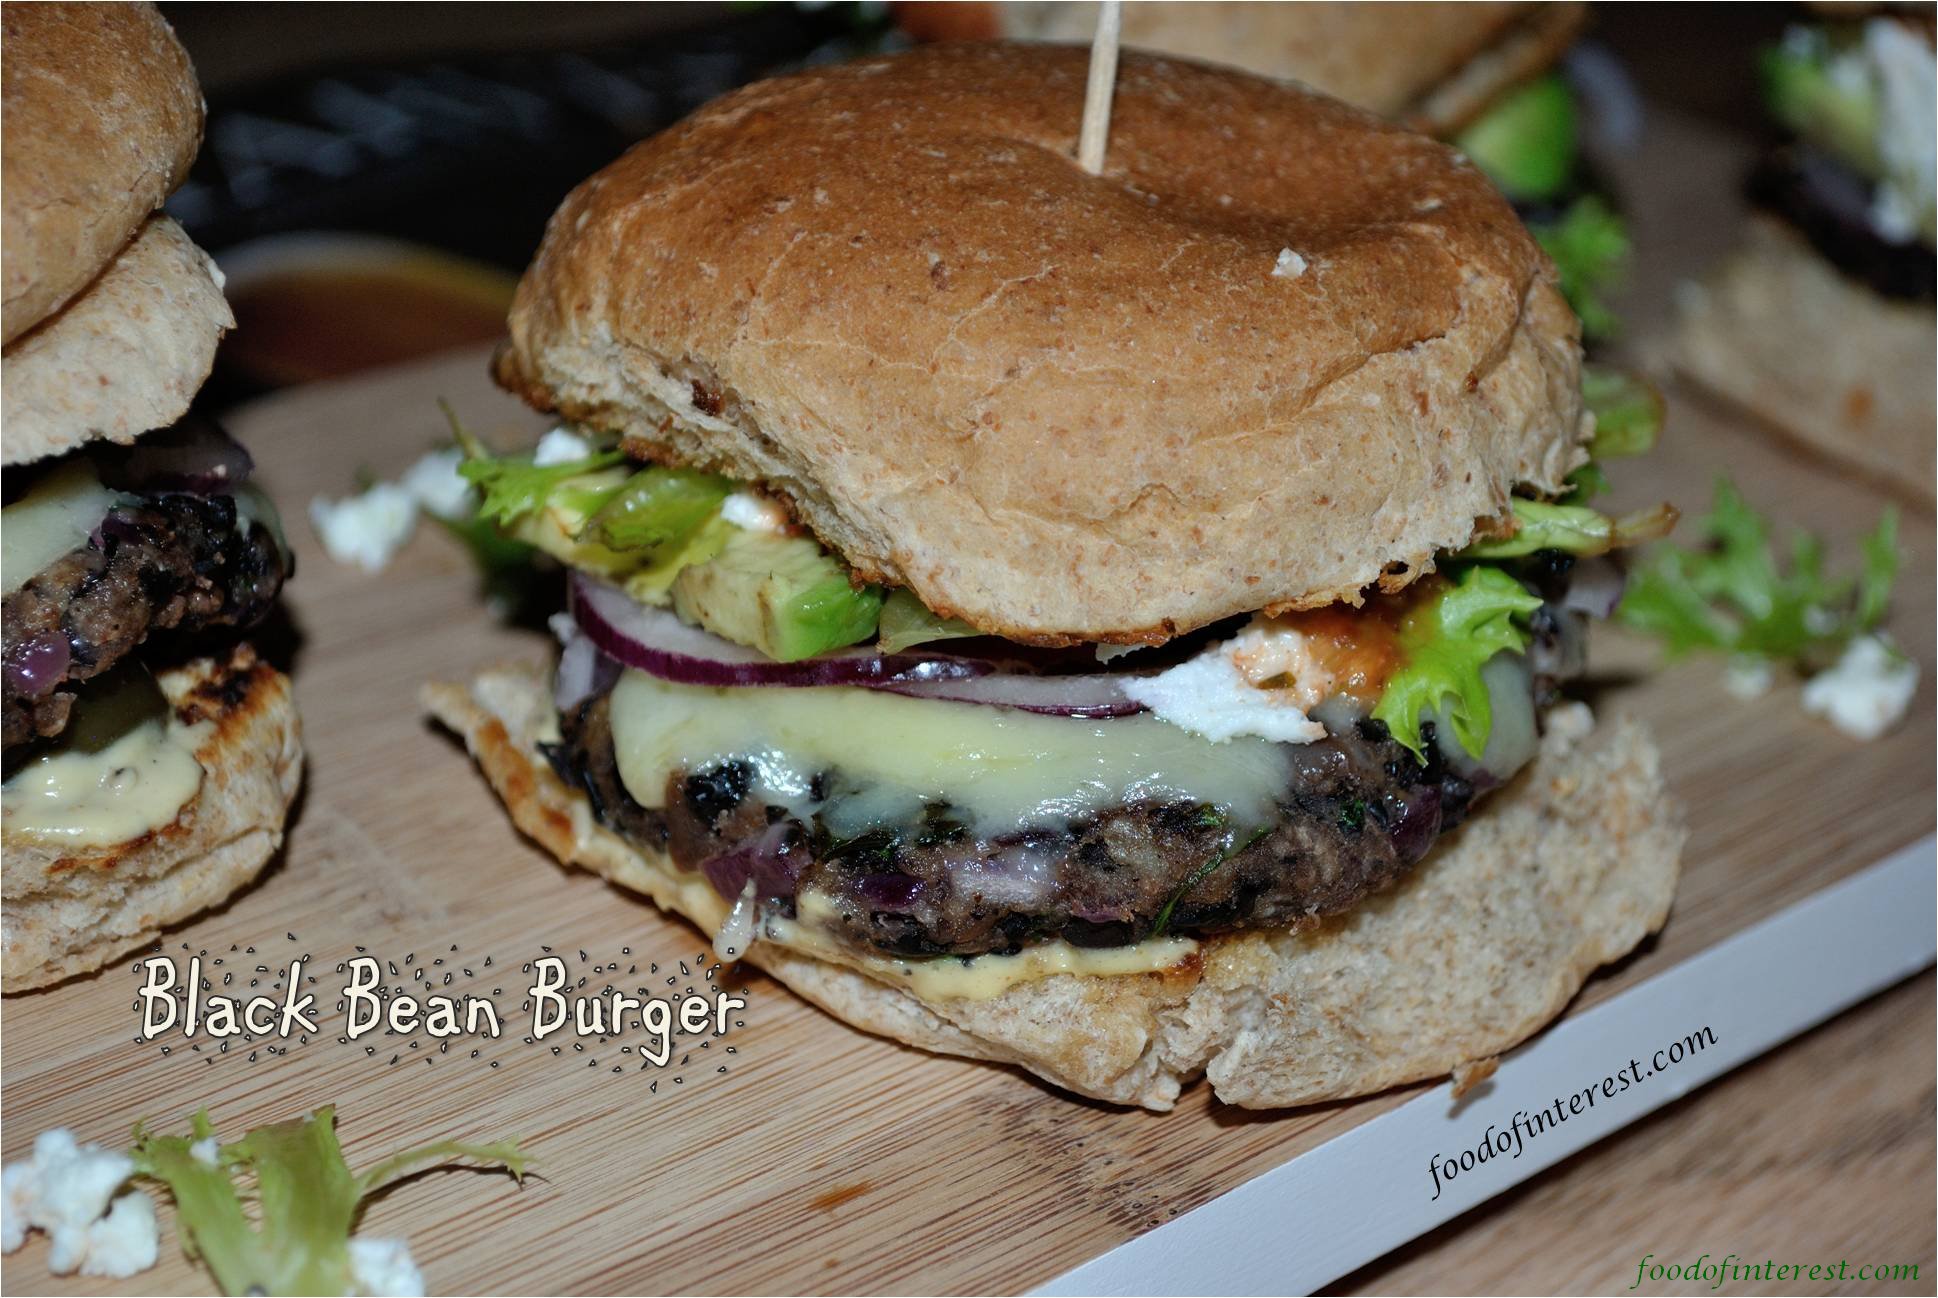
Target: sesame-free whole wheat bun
x,y
69,911
103,116
1277,353
1433,66
112,314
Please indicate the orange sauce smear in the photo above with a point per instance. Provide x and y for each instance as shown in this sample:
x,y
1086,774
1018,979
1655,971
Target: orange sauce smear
x,y
1360,647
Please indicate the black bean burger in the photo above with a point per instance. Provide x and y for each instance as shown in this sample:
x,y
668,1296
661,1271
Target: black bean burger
x,y
150,758
1109,623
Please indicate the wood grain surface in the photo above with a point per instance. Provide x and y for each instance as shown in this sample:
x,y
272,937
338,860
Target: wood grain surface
x,y
824,1160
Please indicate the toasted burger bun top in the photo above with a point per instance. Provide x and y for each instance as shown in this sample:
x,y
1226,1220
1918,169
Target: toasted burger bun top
x,y
1066,406
103,116
1432,65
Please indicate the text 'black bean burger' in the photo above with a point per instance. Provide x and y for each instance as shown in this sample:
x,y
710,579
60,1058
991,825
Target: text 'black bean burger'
x,y
1111,624
150,756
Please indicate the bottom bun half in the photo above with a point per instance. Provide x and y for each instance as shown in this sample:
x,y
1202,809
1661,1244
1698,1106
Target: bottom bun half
x,y
1781,333
70,912
1565,870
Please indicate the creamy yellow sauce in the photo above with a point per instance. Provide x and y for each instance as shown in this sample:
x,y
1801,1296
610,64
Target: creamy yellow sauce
x,y
138,783
53,518
978,978
1001,769
983,977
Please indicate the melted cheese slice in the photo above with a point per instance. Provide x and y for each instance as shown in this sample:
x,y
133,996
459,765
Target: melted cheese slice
x,y
999,768
1002,770
53,518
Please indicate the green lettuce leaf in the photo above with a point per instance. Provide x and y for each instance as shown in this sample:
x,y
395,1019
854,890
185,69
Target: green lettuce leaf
x,y
307,1200
1628,412
1585,483
511,486
906,620
1446,639
1575,529
1589,244
1733,595
658,507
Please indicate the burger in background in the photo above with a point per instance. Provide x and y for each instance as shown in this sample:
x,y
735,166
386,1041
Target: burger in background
x,y
1822,323
150,757
1481,75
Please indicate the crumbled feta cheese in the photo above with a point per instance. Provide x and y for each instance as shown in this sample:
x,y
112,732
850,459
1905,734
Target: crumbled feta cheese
x,y
1112,652
65,1190
1748,678
560,446
1867,692
1907,127
206,1151
1290,265
754,512
436,485
383,1268
1226,691
365,530
124,1242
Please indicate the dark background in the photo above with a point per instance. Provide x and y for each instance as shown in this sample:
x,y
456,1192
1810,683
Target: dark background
x,y
462,125
374,176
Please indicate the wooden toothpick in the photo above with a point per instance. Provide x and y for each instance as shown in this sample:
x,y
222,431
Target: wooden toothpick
x,y
1103,79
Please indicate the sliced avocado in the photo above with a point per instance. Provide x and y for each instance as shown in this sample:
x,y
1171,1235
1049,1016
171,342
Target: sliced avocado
x,y
653,583
1526,141
783,595
658,507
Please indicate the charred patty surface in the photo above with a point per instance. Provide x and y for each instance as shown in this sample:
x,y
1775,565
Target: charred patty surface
x,y
1359,813
175,561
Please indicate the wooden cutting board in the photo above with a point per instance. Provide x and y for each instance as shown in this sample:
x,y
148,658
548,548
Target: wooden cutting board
x,y
813,1157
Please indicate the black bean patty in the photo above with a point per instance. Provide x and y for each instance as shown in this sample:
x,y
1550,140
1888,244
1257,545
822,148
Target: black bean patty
x,y
1360,812
175,561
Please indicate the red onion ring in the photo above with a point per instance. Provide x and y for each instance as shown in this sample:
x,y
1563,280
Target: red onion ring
x,y
656,641
34,667
583,671
195,455
1086,697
